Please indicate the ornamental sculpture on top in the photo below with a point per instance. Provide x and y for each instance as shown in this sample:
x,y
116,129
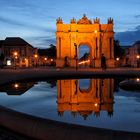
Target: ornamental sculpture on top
x,y
98,37
110,20
96,21
59,21
84,20
73,21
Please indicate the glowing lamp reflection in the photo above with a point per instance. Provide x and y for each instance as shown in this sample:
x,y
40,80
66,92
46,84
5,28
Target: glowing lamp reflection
x,y
138,56
16,85
117,58
138,80
95,104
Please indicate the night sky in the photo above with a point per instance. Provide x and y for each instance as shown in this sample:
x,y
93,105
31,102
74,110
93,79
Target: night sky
x,y
35,20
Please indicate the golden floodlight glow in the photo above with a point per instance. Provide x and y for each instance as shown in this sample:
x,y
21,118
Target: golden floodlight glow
x,y
16,85
95,31
51,60
83,31
45,58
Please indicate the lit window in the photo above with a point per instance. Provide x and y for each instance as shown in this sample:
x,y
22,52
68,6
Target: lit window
x,y
9,63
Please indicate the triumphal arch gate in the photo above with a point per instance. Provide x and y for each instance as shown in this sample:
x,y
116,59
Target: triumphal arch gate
x,y
98,37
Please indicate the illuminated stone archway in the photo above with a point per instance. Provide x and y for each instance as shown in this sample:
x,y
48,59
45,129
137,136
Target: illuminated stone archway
x,y
99,37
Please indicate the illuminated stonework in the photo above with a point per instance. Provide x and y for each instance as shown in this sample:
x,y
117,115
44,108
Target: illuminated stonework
x,y
98,37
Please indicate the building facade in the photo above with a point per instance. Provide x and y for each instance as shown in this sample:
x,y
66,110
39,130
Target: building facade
x,y
98,37
132,55
18,52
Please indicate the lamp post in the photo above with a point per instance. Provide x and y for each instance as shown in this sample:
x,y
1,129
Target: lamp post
x,y
117,61
45,61
76,55
36,56
15,58
138,57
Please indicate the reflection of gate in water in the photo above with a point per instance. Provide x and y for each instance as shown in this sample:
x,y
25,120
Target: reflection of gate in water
x,y
98,97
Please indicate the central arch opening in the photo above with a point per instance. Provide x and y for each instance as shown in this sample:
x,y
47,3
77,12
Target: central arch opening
x,y
84,56
84,85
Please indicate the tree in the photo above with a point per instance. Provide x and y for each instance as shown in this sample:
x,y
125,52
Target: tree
x,y
49,52
52,51
85,56
117,49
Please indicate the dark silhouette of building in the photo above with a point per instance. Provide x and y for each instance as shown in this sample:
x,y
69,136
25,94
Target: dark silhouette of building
x,y
24,51
47,56
132,55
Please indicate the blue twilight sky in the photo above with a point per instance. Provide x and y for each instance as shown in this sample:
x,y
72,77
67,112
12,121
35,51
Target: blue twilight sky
x,y
35,20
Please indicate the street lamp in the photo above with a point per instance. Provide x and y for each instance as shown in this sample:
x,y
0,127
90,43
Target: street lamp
x,y
15,53
45,58
36,56
117,63
45,61
138,57
15,58
76,55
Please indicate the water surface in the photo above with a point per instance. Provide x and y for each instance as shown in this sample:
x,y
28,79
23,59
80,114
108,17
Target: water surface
x,y
91,102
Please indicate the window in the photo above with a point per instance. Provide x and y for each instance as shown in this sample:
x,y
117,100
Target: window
x,y
8,63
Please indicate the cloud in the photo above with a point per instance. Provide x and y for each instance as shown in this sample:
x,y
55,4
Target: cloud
x,y
137,16
138,28
36,34
35,20
42,41
128,37
25,25
10,21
